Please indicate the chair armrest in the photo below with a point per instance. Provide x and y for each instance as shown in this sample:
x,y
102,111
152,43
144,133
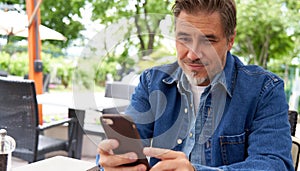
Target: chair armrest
x,y
55,123
296,151
295,140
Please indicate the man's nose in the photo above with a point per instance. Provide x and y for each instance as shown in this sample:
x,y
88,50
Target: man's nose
x,y
194,53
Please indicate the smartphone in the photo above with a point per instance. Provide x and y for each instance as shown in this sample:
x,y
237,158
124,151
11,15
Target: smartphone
x,y
122,128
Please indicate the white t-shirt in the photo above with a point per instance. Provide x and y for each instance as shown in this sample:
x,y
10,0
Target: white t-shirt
x,y
197,92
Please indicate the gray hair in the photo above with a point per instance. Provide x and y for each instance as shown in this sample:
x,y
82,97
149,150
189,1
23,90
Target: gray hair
x,y
226,9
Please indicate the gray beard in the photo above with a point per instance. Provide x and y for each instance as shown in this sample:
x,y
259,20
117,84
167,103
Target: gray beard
x,y
195,81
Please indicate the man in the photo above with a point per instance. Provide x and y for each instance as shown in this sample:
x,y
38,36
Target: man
x,y
207,111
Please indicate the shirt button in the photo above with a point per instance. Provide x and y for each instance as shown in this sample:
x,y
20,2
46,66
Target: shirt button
x,y
191,105
185,110
208,144
191,134
179,141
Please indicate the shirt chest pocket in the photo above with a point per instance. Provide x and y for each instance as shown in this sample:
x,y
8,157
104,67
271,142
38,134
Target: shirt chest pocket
x,y
233,148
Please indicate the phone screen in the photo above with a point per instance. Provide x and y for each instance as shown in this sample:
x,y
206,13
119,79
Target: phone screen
x,y
123,129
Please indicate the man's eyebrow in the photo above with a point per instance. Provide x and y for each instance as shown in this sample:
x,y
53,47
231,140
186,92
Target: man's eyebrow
x,y
182,34
208,36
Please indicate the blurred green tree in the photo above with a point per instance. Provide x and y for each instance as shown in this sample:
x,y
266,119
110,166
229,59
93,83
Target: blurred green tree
x,y
267,30
146,15
59,15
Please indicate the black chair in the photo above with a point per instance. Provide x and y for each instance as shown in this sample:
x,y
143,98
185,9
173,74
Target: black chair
x,y
293,117
118,90
19,116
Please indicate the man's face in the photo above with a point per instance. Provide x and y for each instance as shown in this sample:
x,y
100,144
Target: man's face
x,y
201,46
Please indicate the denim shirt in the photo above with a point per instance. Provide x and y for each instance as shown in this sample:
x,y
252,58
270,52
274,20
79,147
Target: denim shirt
x,y
242,122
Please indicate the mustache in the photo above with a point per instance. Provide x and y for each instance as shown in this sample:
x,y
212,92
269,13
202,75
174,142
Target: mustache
x,y
196,61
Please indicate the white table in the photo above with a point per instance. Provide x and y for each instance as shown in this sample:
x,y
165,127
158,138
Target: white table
x,y
82,101
57,163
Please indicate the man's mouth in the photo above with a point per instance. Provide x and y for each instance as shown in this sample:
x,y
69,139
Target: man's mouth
x,y
195,66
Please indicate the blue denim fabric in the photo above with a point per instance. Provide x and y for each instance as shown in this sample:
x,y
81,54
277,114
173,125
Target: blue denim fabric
x,y
242,122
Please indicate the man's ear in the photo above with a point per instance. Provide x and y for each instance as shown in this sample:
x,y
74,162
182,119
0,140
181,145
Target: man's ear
x,y
231,41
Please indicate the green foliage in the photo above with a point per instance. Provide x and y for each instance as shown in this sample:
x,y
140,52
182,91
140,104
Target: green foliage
x,y
299,107
12,48
14,64
18,64
64,70
145,16
103,69
4,60
262,31
53,50
84,74
139,21
93,71
59,15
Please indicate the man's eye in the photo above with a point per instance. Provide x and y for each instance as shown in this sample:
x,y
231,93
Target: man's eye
x,y
212,40
208,41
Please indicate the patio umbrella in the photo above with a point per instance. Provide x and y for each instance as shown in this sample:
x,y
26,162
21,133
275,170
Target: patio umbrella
x,y
13,23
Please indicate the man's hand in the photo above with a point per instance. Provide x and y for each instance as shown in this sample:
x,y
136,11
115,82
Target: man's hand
x,y
110,162
170,160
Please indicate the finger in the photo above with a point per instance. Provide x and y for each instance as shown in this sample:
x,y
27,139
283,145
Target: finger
x,y
164,165
139,167
170,160
117,160
106,146
160,153
174,165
